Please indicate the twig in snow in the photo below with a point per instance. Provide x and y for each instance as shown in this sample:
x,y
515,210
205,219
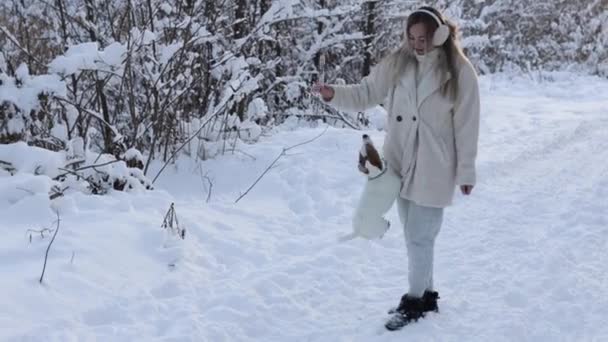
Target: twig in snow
x,y
210,188
98,156
78,176
205,177
285,149
74,162
98,165
41,232
170,222
26,190
245,153
262,175
46,256
84,168
8,167
56,192
293,154
306,142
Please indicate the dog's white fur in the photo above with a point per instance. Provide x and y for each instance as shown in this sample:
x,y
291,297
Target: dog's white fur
x,y
377,198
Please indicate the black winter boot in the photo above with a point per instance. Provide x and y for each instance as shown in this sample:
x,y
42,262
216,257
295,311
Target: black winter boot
x,y
411,309
429,299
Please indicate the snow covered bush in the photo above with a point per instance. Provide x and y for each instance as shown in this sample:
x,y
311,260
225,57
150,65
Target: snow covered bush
x,y
527,35
68,171
156,75
25,110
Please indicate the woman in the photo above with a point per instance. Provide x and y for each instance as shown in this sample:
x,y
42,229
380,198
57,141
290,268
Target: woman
x,y
432,98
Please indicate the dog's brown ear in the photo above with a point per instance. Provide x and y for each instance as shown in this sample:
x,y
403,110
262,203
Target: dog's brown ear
x,y
372,155
363,155
361,165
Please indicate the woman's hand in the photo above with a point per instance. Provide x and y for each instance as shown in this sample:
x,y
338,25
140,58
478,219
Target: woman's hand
x,y
466,189
326,91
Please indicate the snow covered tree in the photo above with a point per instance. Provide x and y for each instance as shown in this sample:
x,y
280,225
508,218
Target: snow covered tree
x,y
151,74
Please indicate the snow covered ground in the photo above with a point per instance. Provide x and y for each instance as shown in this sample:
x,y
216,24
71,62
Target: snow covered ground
x,y
524,259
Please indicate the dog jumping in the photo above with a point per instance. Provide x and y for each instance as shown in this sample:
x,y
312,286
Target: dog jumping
x,y
379,193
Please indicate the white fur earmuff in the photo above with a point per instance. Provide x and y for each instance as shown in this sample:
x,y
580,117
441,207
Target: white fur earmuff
x,y
443,31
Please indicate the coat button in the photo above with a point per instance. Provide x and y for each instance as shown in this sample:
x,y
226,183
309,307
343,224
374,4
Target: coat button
x,y
399,118
413,118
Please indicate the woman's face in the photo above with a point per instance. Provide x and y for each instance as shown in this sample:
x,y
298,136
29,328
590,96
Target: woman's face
x,y
417,39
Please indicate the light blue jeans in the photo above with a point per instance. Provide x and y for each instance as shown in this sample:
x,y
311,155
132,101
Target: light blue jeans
x,y
420,226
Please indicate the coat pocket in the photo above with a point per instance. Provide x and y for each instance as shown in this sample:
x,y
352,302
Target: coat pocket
x,y
437,144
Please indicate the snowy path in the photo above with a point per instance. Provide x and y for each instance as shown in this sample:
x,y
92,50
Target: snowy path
x,y
524,259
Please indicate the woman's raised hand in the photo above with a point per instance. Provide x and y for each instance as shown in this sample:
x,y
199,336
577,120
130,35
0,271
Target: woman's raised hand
x,y
326,91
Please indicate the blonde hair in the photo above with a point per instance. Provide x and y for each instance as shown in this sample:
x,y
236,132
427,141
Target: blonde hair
x,y
399,59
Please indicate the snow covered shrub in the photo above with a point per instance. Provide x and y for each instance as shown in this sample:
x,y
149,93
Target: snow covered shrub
x,y
227,71
118,177
107,173
530,35
26,109
12,127
72,170
134,159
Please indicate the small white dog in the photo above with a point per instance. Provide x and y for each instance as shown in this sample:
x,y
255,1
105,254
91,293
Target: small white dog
x,y
381,189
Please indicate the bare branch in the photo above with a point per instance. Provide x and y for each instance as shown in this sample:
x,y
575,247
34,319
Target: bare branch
x,y
262,175
98,165
205,177
186,143
210,188
71,172
8,167
283,152
26,190
41,232
308,141
96,115
84,168
245,153
57,192
46,256
14,41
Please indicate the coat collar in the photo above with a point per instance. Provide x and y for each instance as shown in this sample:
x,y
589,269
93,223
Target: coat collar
x,y
431,81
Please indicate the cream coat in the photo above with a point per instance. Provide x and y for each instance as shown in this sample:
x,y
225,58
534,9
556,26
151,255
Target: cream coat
x,y
432,139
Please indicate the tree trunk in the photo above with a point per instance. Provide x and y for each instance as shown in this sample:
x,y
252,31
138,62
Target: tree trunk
x,y
320,27
99,85
240,31
369,34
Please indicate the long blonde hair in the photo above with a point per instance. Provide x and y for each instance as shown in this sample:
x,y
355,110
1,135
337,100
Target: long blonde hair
x,y
399,59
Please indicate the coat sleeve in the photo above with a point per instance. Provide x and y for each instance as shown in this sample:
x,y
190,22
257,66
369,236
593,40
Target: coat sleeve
x,y
466,124
370,92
